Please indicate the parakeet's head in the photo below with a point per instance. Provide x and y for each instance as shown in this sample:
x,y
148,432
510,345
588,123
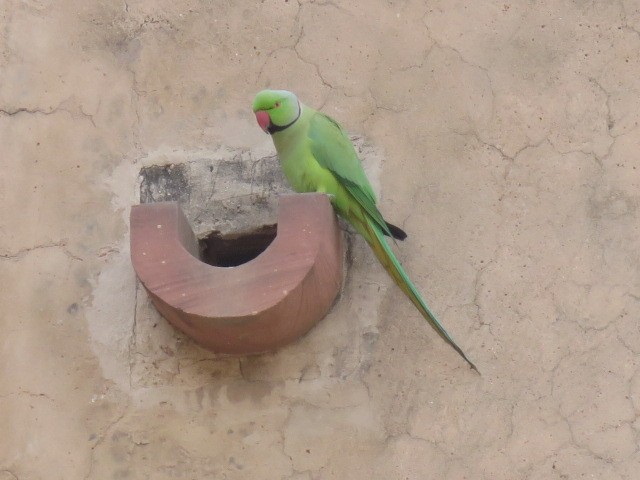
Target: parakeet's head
x,y
276,110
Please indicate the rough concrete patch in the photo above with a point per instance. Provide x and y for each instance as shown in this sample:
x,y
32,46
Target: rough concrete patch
x,y
223,191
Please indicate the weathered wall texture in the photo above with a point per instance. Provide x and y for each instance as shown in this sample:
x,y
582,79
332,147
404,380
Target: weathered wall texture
x,y
507,137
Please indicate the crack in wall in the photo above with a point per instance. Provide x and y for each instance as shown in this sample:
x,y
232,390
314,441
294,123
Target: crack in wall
x,y
62,244
101,438
33,111
10,473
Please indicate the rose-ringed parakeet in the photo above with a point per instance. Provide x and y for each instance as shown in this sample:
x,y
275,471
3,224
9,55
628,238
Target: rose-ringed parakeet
x,y
317,156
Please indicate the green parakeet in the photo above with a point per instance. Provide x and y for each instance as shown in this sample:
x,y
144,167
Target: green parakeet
x,y
317,156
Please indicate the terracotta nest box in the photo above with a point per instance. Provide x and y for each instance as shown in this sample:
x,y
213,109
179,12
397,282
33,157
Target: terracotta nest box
x,y
254,307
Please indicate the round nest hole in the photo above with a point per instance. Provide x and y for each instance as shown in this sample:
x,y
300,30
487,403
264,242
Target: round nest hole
x,y
235,249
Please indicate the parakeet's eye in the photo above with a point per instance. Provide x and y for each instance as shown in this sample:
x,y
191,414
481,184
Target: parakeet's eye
x,y
277,104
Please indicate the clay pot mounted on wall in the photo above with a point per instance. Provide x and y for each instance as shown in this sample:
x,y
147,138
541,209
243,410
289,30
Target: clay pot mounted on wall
x,y
254,307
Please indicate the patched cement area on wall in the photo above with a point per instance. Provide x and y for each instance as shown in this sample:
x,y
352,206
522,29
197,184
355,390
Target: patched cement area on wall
x,y
229,196
231,230
239,399
225,194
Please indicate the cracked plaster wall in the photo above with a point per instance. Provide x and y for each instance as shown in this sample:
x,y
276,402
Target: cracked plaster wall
x,y
510,138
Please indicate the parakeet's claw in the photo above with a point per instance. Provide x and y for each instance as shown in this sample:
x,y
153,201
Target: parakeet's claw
x,y
331,196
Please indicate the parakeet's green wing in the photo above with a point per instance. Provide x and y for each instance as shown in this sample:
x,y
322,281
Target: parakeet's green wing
x,y
334,151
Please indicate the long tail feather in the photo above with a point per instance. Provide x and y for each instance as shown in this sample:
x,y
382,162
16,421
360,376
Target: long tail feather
x,y
396,232
385,255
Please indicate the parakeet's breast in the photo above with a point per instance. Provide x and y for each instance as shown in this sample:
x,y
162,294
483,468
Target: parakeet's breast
x,y
297,164
300,167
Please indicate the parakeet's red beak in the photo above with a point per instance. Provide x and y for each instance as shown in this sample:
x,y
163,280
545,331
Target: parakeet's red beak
x,y
263,120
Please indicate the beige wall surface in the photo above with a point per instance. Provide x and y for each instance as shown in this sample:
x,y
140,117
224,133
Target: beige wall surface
x,y
502,136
